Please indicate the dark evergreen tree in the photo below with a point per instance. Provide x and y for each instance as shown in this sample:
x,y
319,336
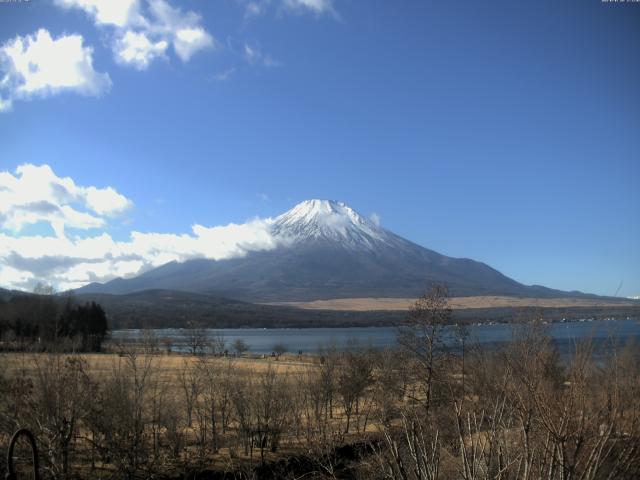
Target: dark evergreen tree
x,y
46,320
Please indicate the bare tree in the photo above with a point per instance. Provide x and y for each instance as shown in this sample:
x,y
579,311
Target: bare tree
x,y
171,422
41,288
196,339
60,397
217,344
119,416
215,377
412,454
271,405
422,335
240,346
329,358
150,342
390,384
354,376
190,385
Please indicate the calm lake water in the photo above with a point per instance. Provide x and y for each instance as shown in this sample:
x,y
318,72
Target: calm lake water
x,y
308,340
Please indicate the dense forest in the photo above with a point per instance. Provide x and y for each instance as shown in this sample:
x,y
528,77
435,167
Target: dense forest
x,y
42,321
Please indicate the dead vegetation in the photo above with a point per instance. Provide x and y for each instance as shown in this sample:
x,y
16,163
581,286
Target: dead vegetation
x,y
456,303
416,412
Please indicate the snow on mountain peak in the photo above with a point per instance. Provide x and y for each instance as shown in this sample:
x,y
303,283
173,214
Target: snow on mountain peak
x,y
320,210
328,220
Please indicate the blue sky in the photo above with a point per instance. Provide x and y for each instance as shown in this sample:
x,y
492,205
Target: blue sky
x,y
507,132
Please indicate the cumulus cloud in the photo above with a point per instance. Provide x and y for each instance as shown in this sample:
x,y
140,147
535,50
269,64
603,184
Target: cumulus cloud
x,y
138,50
188,41
73,262
105,201
119,13
142,31
13,278
182,28
39,65
35,194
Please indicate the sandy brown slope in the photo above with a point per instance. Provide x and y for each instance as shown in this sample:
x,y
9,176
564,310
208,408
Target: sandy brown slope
x,y
377,304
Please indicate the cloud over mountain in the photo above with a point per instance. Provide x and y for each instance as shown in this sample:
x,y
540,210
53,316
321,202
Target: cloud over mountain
x,y
35,196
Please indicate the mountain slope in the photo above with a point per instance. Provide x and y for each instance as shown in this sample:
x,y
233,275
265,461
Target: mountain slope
x,y
327,250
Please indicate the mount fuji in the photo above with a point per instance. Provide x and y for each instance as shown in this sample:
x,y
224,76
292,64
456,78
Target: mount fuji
x,y
326,250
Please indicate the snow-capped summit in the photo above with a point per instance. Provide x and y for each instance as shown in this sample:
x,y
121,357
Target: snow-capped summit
x,y
329,220
325,250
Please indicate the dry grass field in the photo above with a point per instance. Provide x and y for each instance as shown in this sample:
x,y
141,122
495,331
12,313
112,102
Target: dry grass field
x,y
457,303
175,383
138,411
143,413
170,367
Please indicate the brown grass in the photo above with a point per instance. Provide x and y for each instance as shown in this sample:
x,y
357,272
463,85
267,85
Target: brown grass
x,y
458,303
170,366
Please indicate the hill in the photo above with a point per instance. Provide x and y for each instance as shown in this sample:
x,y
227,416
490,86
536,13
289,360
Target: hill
x,y
177,309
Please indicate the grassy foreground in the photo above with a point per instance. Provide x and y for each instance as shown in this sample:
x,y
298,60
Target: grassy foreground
x,y
414,412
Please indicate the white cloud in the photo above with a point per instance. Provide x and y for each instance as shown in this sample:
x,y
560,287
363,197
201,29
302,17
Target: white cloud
x,y
188,41
119,13
137,50
105,201
251,55
375,218
256,8
318,7
39,65
5,104
73,262
36,194
142,30
13,278
183,29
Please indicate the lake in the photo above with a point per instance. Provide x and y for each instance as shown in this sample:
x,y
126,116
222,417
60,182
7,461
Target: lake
x,y
262,340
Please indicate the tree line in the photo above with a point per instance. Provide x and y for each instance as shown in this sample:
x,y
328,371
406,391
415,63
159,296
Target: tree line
x,y
43,321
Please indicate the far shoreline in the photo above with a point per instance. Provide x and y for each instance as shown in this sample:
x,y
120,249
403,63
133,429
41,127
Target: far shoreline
x,y
377,304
